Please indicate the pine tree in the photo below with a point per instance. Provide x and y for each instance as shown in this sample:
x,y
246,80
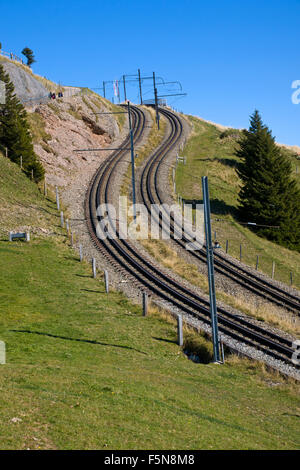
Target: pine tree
x,y
269,195
28,53
15,132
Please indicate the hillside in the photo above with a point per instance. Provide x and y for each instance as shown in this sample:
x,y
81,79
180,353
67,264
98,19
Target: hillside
x,y
210,152
85,370
29,87
65,124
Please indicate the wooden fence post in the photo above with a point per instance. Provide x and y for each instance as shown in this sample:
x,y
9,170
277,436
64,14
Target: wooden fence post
x,y
94,267
106,281
179,330
145,304
2,353
57,198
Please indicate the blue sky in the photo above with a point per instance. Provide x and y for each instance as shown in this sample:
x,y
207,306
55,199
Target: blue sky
x,y
230,56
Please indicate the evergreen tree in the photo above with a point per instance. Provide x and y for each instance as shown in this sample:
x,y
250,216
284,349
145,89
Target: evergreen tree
x,y
28,53
15,132
269,195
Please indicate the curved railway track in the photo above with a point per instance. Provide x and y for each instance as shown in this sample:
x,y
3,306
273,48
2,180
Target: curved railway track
x,y
150,194
124,256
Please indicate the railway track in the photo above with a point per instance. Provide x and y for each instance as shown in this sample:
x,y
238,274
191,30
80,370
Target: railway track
x,y
150,194
123,256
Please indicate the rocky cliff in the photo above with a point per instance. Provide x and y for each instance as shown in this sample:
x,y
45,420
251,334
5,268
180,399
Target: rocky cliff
x,y
61,126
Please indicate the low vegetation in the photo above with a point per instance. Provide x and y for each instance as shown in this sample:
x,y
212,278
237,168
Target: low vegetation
x,y
85,370
209,155
262,310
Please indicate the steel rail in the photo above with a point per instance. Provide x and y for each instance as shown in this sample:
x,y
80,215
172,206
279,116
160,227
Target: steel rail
x,y
246,279
151,277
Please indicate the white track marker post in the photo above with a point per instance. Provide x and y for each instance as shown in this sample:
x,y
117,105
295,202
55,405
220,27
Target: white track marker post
x,y
57,198
273,269
80,253
145,304
94,267
62,219
2,353
179,330
106,281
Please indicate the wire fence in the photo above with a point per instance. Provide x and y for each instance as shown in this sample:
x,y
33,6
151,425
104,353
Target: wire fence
x,y
14,57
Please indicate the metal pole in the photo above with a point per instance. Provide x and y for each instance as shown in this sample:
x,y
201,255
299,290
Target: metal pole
x,y
125,99
104,89
210,266
156,102
140,85
132,164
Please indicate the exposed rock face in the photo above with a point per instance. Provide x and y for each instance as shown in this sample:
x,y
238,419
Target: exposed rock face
x,y
71,124
26,86
65,125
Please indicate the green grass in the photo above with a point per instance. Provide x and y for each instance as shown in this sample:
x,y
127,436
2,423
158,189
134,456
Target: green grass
x,y
37,127
85,370
22,206
209,155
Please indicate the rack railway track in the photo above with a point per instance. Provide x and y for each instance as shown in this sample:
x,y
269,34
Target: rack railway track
x,y
150,194
125,258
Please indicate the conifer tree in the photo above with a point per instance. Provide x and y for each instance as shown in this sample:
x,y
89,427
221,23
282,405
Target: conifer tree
x,y
269,195
15,131
28,53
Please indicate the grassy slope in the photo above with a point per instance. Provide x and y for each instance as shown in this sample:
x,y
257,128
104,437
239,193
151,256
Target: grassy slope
x,y
86,370
209,155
